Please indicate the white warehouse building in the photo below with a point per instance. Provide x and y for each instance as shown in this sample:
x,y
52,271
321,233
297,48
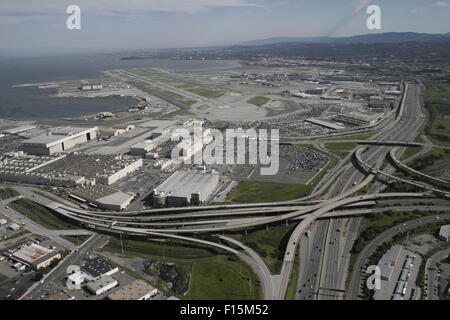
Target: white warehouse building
x,y
59,140
185,188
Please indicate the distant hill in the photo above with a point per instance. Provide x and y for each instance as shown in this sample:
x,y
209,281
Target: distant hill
x,y
390,37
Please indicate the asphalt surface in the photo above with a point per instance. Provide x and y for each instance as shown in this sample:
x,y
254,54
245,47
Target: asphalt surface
x,y
336,254
359,273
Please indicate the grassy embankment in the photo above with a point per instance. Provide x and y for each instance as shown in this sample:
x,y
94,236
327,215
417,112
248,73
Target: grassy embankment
x,y
213,275
7,193
41,215
437,102
259,101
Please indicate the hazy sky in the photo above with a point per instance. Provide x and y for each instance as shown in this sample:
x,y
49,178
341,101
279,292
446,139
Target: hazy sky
x,y
40,25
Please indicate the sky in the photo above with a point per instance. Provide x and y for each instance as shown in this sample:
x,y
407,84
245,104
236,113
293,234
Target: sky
x,y
39,26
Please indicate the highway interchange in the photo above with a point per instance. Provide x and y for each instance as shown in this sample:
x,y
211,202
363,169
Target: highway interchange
x,y
328,225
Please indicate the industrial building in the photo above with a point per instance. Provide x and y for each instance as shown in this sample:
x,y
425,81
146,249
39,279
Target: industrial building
x,y
137,290
110,132
96,267
101,285
68,170
399,269
126,127
444,233
378,104
36,256
100,169
389,261
187,148
141,149
325,124
59,140
185,188
103,197
17,130
358,118
89,86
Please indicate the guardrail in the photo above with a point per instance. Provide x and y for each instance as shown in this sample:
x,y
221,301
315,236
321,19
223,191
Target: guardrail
x,y
376,171
406,168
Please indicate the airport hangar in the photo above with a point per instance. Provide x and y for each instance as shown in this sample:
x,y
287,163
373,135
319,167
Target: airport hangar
x,y
59,140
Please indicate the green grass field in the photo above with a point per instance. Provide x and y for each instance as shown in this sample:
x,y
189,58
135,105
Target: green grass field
x,y
437,97
8,193
429,159
41,215
221,278
172,95
410,151
341,149
259,101
268,243
376,223
292,287
254,192
171,249
214,276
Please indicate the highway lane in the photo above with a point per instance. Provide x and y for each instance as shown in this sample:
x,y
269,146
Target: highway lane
x,y
346,182
60,271
398,130
35,228
309,276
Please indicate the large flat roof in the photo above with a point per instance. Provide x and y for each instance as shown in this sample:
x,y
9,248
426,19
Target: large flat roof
x,y
101,283
32,253
97,267
445,231
59,135
185,183
325,124
118,199
133,291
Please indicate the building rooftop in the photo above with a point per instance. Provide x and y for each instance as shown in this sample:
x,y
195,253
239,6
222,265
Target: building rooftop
x,y
32,253
445,232
133,291
59,135
325,124
388,261
97,267
185,183
117,198
101,283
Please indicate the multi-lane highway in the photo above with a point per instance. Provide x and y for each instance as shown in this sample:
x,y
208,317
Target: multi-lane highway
x,y
340,235
325,252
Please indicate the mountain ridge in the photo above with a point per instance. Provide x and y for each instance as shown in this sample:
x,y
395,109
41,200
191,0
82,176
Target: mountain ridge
x,y
388,37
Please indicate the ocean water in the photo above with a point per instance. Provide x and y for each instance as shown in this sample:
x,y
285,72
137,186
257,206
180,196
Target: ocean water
x,y
31,103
